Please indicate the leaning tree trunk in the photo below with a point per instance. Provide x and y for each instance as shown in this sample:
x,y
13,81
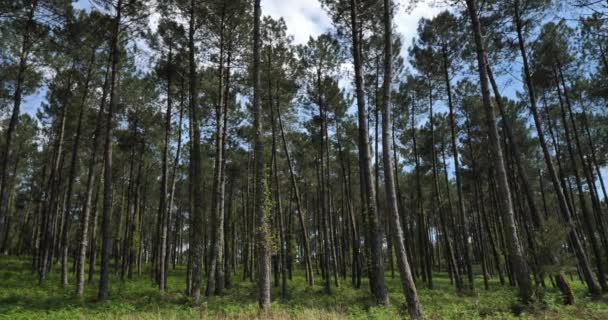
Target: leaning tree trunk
x,y
519,264
587,219
12,125
548,162
537,219
306,242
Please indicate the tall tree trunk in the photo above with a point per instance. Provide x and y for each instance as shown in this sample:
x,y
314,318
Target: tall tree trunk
x,y
107,175
589,179
222,277
449,247
409,245
461,208
162,201
217,219
196,239
324,182
263,225
594,160
279,205
425,263
95,222
407,280
26,45
587,218
54,186
178,226
72,174
514,148
377,271
306,242
519,263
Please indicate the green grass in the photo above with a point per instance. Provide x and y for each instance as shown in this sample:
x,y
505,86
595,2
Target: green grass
x,y
22,298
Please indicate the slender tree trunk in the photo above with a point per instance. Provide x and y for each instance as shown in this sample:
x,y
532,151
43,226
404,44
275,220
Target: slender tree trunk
x,y
107,187
72,175
279,206
427,274
178,226
451,255
301,214
263,225
574,237
196,239
523,175
587,218
162,201
54,185
95,223
407,280
586,171
519,263
217,234
593,154
222,276
461,208
377,271
26,45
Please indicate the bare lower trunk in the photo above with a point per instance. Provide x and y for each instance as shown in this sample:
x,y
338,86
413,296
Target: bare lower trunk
x,y
519,264
263,225
377,264
107,190
196,239
72,174
407,280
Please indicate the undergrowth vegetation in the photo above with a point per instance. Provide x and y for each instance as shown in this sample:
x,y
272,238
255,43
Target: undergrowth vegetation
x,y
139,299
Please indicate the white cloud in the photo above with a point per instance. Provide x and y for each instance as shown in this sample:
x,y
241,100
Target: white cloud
x,y
407,22
304,18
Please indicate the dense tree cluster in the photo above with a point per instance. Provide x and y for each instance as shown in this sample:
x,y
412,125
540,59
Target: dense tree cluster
x,y
207,139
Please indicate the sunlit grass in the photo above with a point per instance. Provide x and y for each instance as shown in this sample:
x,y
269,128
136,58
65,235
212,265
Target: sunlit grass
x,y
139,298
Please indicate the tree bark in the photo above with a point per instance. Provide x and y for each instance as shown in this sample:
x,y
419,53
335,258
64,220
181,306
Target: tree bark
x,y
377,271
263,226
407,280
196,239
306,242
14,120
519,263
217,215
72,175
107,189
162,201
461,208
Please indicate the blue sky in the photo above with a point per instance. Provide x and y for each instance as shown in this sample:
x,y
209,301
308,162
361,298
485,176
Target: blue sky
x,y
306,18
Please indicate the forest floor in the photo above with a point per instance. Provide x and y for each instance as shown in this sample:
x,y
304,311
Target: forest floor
x,y
139,298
